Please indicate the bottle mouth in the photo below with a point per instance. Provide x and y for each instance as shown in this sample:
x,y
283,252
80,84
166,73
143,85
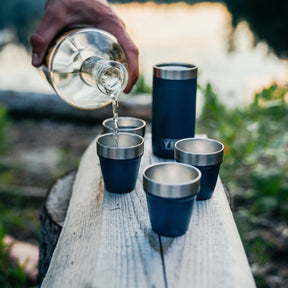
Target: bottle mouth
x,y
112,77
107,75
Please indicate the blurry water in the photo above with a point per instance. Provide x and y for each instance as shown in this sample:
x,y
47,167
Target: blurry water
x,y
177,32
199,34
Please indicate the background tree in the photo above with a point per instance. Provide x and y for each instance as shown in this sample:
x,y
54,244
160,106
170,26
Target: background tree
x,y
20,17
267,20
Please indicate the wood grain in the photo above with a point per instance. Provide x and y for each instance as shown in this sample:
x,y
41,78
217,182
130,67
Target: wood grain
x,y
75,255
107,240
211,253
129,254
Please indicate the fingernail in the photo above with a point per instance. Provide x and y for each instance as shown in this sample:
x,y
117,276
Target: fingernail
x,y
35,59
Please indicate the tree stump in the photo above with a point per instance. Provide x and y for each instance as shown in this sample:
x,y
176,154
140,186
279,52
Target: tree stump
x,y
52,217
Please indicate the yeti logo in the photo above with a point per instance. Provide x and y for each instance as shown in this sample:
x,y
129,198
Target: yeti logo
x,y
168,144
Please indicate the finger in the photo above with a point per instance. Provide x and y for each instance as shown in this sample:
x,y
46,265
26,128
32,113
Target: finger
x,y
133,72
50,26
38,45
131,52
132,55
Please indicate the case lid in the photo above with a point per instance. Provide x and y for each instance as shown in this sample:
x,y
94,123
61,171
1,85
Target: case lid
x,y
175,71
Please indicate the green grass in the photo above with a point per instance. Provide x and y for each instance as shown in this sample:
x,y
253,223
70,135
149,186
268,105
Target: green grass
x,y
12,275
3,128
141,87
254,167
256,146
17,216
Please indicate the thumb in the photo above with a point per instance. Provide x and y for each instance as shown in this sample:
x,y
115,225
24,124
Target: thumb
x,y
39,47
40,40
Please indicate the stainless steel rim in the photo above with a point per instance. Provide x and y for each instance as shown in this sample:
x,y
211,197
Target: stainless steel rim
x,y
188,183
135,125
199,151
129,146
175,71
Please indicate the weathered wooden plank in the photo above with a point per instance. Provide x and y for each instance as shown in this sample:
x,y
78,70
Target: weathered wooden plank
x,y
74,258
107,240
211,253
129,252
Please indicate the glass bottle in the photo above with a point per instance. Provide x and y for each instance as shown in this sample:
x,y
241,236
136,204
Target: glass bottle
x,y
85,67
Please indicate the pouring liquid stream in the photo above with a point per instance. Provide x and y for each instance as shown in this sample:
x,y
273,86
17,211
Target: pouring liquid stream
x,y
114,96
111,82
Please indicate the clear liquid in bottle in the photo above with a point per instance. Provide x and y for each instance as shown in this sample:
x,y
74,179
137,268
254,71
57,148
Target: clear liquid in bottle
x,y
86,67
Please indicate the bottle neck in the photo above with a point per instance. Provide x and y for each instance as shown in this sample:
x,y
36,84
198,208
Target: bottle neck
x,y
109,76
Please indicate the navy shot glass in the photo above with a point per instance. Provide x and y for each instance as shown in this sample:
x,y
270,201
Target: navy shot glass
x,y
120,163
171,190
205,154
125,124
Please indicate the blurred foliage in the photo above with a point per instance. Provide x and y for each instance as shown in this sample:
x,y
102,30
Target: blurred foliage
x,y
268,21
16,216
20,17
11,276
3,128
141,86
254,169
256,147
67,161
19,216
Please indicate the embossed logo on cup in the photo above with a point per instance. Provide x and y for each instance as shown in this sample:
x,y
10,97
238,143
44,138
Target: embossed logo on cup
x,y
168,144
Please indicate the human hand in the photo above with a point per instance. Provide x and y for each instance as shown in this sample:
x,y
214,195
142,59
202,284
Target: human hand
x,y
61,15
